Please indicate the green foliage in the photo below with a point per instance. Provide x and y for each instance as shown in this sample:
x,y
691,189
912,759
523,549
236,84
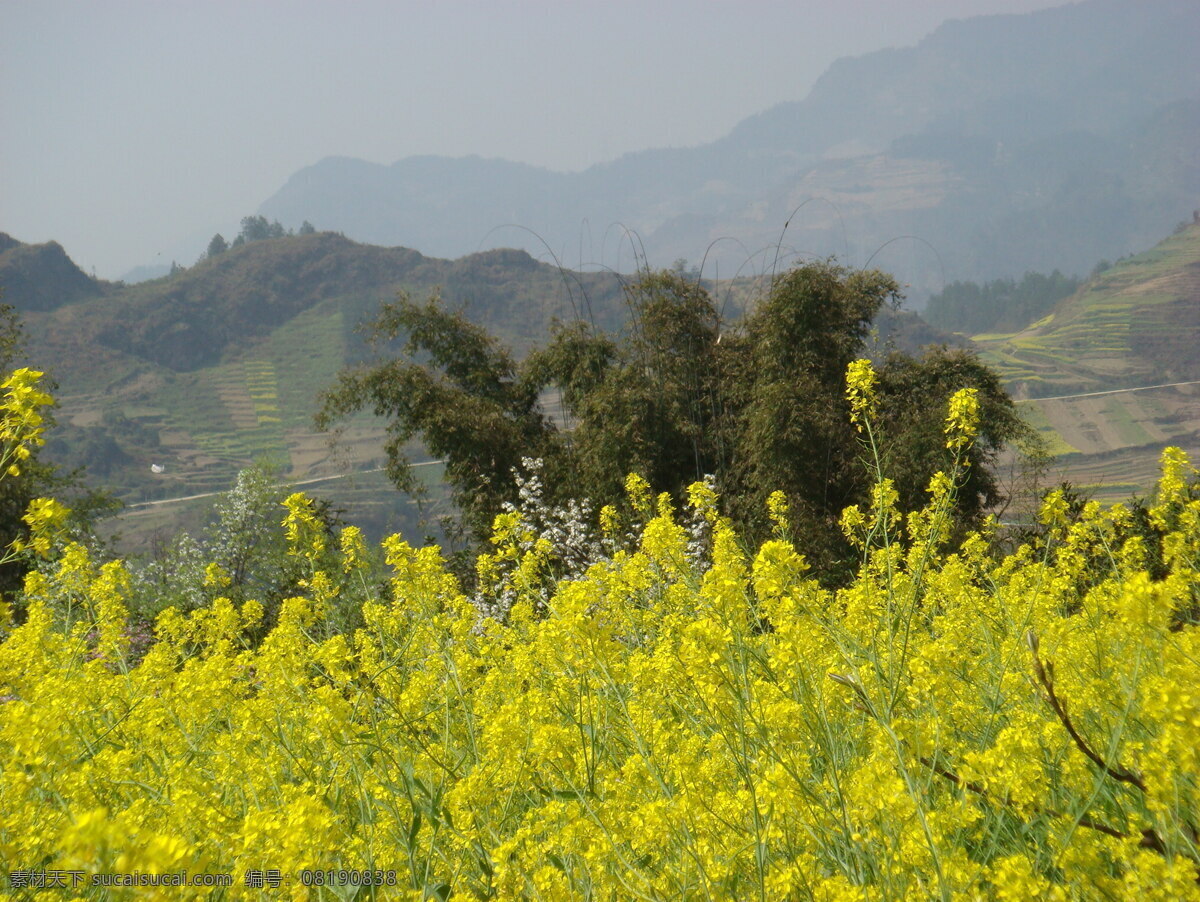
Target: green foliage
x,y
678,395
1002,305
464,399
256,228
217,246
914,445
646,402
243,555
791,429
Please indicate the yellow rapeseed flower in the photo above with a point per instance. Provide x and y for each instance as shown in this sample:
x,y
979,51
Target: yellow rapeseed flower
x,y
860,391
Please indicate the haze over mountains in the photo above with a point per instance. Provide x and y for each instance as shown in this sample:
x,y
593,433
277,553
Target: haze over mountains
x,y
1000,144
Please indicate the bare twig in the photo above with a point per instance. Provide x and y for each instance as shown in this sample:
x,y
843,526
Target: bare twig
x,y
1150,838
1045,677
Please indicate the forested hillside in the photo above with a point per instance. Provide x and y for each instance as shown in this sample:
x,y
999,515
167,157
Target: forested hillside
x,y
1001,305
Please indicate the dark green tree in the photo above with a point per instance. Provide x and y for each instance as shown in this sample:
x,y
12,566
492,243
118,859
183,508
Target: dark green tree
x,y
677,395
913,394
255,228
457,389
791,424
647,402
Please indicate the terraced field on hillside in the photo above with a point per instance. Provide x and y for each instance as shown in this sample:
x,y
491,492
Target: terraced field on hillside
x,y
1135,324
203,426
1112,376
1110,443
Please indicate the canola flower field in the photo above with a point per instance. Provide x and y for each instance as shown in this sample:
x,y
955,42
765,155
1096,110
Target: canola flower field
x,y
683,719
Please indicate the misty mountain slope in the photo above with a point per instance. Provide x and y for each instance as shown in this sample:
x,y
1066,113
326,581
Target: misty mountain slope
x,y
1005,77
971,141
39,277
225,305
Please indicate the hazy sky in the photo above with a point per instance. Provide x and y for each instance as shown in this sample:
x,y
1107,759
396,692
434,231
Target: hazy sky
x,y
133,130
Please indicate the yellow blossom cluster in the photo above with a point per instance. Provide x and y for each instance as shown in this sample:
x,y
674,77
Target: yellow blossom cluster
x,y
955,723
21,419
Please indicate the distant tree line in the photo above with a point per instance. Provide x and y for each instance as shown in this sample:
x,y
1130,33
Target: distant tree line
x,y
1002,305
254,228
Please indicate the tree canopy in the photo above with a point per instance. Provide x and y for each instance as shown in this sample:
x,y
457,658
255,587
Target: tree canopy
x,y
1002,305
257,228
677,395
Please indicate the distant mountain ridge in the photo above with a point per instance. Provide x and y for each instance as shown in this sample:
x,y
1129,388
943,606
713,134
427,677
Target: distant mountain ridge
x,y
983,141
227,304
